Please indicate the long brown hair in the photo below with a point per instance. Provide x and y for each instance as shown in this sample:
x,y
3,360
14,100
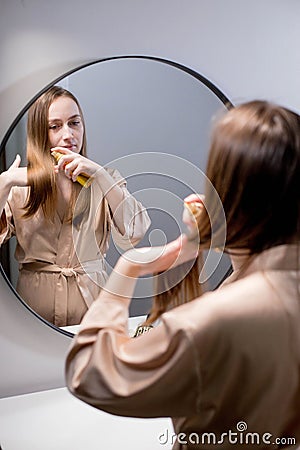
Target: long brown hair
x,y
41,176
254,169
254,166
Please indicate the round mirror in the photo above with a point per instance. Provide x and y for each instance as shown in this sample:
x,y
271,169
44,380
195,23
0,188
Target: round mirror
x,y
150,119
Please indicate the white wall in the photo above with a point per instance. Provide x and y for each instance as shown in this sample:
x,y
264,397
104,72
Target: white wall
x,y
247,48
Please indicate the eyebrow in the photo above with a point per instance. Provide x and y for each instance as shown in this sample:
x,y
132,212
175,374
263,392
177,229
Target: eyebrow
x,y
70,118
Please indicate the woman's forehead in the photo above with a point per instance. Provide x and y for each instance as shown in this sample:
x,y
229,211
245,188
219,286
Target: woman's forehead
x,y
62,108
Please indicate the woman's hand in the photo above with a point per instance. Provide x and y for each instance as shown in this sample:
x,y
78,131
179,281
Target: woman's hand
x,y
138,262
143,261
147,260
193,205
15,175
74,164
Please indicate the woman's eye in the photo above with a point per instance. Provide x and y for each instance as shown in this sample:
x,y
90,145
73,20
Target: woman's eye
x,y
53,127
75,123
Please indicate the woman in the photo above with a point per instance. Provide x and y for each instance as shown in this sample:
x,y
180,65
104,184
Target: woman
x,y
225,366
62,229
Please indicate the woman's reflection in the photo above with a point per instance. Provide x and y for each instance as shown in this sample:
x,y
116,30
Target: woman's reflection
x,y
60,270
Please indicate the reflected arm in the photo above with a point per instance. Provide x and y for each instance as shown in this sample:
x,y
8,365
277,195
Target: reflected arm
x,y
114,195
5,188
130,219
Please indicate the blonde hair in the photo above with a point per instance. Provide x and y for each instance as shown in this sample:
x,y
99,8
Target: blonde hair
x,y
41,176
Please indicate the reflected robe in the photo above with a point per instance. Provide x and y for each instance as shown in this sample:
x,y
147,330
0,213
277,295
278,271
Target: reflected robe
x,y
62,263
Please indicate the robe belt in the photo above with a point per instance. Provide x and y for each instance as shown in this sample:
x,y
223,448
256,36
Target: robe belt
x,y
88,267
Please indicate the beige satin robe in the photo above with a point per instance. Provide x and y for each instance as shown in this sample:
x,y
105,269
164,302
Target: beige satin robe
x,y
62,266
231,356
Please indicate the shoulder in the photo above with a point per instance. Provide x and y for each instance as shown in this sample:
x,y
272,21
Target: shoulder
x,y
233,295
231,313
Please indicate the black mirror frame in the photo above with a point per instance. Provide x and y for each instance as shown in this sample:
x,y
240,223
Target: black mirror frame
x,y
225,100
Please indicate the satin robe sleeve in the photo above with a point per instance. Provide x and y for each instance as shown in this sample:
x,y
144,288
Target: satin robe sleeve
x,y
131,213
153,375
7,227
206,359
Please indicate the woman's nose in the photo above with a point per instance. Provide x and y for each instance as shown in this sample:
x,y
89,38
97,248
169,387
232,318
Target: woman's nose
x,y
67,131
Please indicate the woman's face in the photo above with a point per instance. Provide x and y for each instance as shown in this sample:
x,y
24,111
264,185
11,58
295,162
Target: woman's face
x,y
65,124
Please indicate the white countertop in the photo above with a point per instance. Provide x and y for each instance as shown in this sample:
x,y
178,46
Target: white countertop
x,y
133,323
56,420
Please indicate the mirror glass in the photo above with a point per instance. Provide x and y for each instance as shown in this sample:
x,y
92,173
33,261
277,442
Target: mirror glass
x,y
150,119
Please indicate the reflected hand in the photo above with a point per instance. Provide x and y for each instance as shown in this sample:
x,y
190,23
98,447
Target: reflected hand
x,y
15,175
74,164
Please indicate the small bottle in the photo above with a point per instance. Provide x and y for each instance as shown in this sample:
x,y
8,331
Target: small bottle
x,y
84,180
193,210
141,329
